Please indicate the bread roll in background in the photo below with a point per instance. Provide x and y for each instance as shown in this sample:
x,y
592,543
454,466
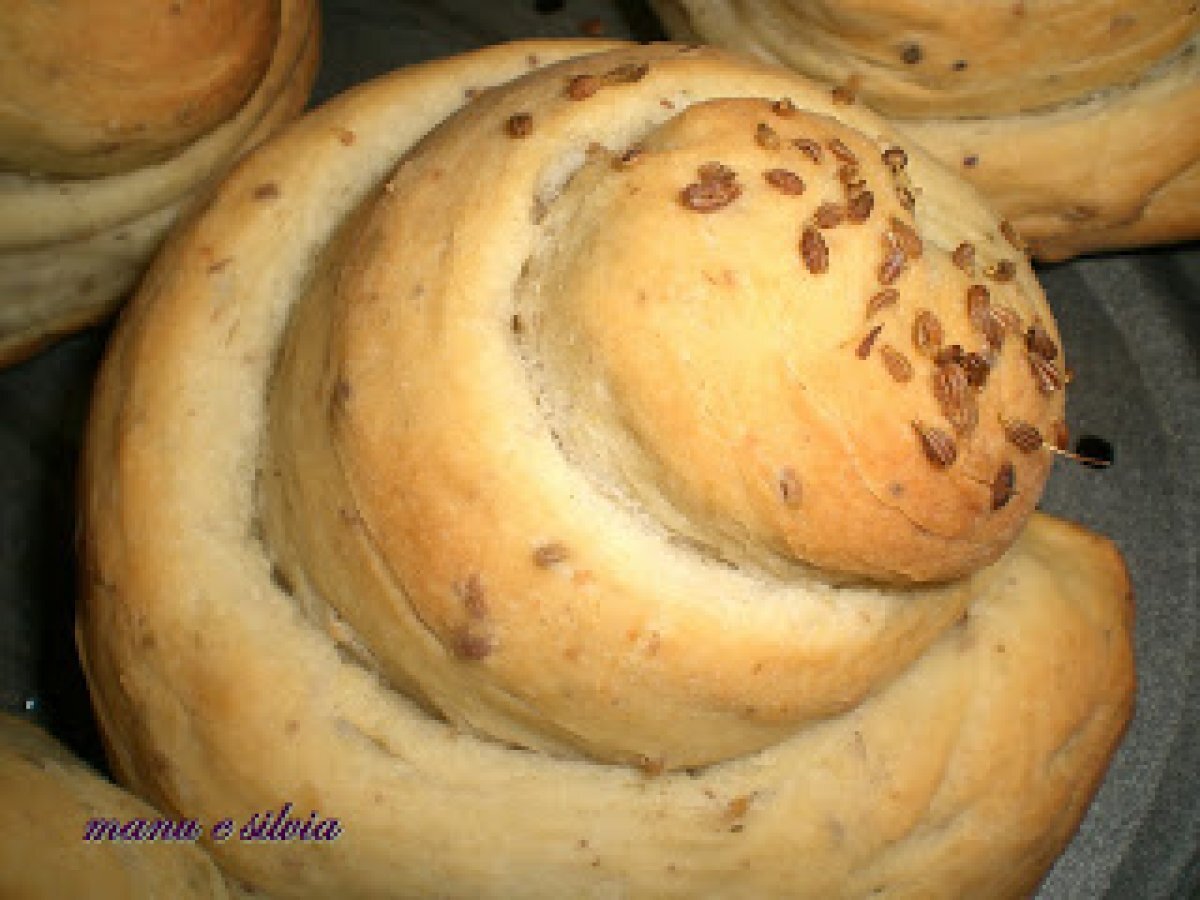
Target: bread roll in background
x,y
115,118
49,799
586,470
1080,121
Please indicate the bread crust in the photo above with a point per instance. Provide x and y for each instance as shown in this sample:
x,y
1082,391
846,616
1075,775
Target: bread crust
x,y
431,613
99,88
1111,171
1079,121
928,59
73,246
53,802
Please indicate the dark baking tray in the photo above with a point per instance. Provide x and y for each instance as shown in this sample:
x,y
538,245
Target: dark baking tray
x,y
1131,324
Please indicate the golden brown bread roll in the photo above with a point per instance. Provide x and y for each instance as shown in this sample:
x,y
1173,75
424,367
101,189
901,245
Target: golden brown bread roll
x,y
114,119
576,467
1080,121
52,800
98,88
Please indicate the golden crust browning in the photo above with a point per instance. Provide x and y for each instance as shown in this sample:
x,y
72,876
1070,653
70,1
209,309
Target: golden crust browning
x,y
929,59
72,247
1079,121
483,498
96,88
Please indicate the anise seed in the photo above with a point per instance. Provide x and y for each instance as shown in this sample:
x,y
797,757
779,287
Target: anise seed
x,y
814,250
546,555
839,149
892,266
1023,436
882,299
1003,486
1045,374
519,125
964,257
927,332
905,238
809,148
896,363
950,384
785,181
1038,340
829,215
938,446
859,208
710,194
863,350
951,353
979,302
977,369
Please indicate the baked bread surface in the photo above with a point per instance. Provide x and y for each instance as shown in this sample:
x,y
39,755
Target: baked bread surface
x,y
94,173
515,492
1080,121
923,58
50,797
93,87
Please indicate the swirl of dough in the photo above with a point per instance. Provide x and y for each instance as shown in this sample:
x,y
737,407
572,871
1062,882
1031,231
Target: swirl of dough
x,y
1035,104
87,197
97,88
594,474
923,58
617,449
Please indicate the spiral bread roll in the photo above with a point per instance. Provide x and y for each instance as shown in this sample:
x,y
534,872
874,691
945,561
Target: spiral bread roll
x,y
1080,121
50,798
115,117
616,449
